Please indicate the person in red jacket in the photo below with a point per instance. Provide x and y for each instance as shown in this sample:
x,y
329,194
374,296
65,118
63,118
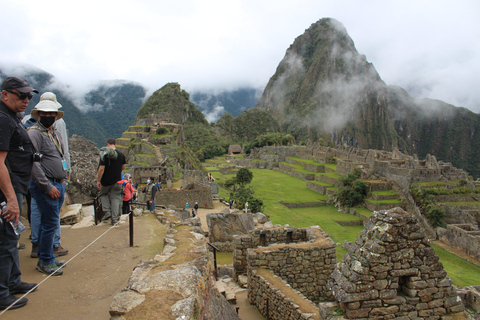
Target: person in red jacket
x,y
128,191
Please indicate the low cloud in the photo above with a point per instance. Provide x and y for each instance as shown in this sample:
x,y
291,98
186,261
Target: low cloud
x,y
214,114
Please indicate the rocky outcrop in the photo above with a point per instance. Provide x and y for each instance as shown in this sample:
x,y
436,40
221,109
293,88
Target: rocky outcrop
x,y
222,227
84,161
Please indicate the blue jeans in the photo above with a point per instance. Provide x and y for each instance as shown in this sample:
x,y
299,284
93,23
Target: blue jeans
x,y
35,223
151,207
49,220
9,265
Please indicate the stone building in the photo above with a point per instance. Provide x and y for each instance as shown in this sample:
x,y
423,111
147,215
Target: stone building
x,y
391,271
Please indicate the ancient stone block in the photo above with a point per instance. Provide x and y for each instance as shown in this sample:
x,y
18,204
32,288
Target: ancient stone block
x,y
398,300
380,284
358,313
371,304
384,311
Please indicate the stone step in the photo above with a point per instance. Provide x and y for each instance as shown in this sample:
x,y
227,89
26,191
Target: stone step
x,y
71,214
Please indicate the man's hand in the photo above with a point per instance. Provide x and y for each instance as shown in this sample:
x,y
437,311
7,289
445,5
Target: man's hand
x,y
54,193
99,185
12,213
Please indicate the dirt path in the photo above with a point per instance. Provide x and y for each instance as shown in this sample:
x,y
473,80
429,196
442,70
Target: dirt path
x,y
90,281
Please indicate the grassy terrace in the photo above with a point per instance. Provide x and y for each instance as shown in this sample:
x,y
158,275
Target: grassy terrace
x,y
385,193
333,175
311,161
325,184
298,168
390,201
364,212
429,184
462,203
273,186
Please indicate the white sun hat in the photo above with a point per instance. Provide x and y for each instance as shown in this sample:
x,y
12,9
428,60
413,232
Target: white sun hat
x,y
50,96
46,106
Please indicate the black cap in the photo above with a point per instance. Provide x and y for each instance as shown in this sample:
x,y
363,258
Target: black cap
x,y
20,84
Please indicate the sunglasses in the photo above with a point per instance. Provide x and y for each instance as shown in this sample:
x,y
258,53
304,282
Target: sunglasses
x,y
21,96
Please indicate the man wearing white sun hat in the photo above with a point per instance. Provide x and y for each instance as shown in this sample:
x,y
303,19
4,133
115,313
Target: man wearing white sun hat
x,y
48,184
61,129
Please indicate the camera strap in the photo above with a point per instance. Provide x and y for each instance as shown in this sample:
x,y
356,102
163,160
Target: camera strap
x,y
51,136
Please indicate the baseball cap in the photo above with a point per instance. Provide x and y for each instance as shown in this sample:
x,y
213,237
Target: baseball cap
x,y
20,84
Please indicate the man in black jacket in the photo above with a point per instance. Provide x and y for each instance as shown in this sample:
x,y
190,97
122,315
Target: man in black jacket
x,y
16,161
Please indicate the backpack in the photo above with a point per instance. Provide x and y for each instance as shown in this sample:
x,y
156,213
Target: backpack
x,y
108,153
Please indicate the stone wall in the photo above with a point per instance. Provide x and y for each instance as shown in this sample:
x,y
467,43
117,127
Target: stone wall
x,y
160,173
471,297
304,258
201,194
463,237
274,304
263,238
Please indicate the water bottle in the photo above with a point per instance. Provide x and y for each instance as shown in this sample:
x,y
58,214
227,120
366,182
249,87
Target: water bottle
x,y
19,227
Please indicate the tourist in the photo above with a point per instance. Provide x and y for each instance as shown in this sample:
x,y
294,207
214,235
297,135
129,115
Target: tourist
x,y
15,170
34,217
48,181
196,207
110,168
128,192
246,207
150,189
187,206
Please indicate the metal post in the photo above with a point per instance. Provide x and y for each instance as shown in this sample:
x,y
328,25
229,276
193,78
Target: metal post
x,y
130,227
215,249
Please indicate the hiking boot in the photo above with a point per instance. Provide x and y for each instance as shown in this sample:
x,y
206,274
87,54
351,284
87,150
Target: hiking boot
x,y
60,263
21,246
59,251
23,287
34,253
51,268
9,300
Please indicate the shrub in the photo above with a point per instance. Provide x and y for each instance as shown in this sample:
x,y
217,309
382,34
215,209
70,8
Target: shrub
x,y
161,130
435,216
354,191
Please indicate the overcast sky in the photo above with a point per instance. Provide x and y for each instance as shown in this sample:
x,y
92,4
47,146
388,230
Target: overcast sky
x,y
430,48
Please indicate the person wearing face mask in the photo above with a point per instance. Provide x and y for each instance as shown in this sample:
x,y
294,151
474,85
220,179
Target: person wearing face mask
x,y
34,213
48,181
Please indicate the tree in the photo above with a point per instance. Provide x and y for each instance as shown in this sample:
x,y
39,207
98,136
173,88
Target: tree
x,y
244,176
354,191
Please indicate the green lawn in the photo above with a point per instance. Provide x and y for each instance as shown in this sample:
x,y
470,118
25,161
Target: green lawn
x,y
462,272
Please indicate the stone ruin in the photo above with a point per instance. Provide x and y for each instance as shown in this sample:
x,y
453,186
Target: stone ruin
x,y
224,226
391,271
